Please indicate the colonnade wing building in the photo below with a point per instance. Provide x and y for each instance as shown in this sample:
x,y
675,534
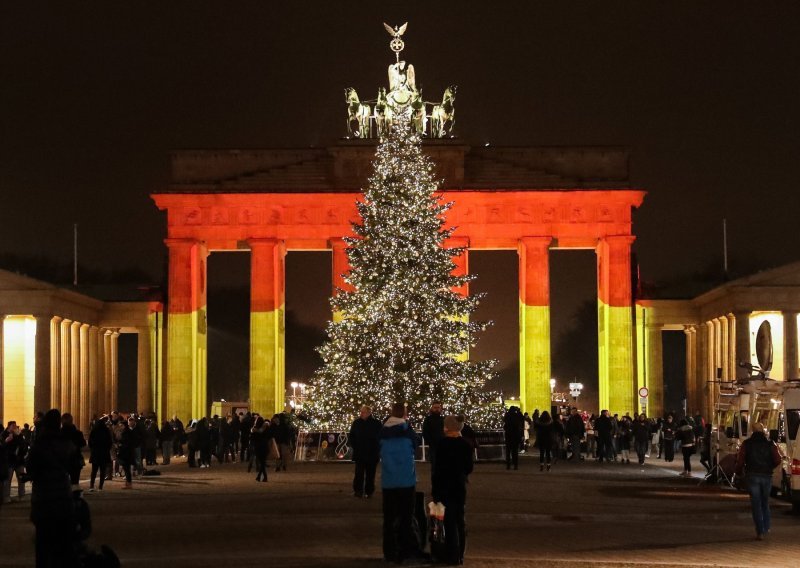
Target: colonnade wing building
x,y
59,349
527,199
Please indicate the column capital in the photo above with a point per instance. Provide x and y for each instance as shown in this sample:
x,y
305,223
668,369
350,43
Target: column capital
x,y
535,242
337,243
689,329
789,313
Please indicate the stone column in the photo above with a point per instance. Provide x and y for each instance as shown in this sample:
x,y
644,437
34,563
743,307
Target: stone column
x,y
743,352
55,363
44,359
108,398
693,396
534,323
94,405
710,376
144,379
82,418
65,367
615,324
718,370
461,269
114,366
187,329
655,375
340,266
731,354
3,419
75,369
790,345
724,362
267,331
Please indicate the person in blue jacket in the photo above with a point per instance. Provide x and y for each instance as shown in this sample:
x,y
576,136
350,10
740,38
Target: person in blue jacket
x,y
398,443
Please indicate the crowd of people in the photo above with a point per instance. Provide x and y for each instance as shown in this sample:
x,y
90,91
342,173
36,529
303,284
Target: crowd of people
x,y
50,454
604,437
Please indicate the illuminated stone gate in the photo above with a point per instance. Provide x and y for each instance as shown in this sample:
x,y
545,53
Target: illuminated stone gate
x,y
528,199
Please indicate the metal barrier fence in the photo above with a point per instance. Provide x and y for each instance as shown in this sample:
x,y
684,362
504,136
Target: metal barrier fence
x,y
333,446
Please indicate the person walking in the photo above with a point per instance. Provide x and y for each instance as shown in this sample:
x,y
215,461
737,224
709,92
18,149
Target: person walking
x,y
398,444
705,448
15,449
686,437
100,442
283,439
453,466
575,430
52,503
604,430
513,430
364,438
757,459
545,439
433,430
641,437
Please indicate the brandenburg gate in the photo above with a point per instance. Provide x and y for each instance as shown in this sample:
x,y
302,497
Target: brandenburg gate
x,y
527,199
272,201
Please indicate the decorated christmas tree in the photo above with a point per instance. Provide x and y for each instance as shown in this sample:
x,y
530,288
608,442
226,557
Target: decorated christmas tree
x,y
404,333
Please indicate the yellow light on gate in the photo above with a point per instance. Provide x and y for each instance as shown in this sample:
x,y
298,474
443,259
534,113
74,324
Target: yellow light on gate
x,y
19,367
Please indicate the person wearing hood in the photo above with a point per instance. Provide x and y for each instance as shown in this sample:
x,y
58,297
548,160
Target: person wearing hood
x,y
398,445
668,432
757,459
545,436
52,503
685,436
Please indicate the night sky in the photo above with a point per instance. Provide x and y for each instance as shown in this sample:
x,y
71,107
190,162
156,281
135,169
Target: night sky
x,y
93,96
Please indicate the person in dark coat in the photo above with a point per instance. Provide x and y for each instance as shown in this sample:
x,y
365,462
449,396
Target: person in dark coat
x,y
167,442
668,431
71,432
204,442
52,503
757,459
15,449
126,452
575,429
453,466
514,431
180,436
245,427
433,429
604,429
641,437
364,438
545,437
259,438
100,442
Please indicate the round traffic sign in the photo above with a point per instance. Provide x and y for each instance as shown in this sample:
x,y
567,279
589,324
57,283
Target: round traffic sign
x,y
643,392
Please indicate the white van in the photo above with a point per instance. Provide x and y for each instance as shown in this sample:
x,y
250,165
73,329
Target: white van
x,y
776,404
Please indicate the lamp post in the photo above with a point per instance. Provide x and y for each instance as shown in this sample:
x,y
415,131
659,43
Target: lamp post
x,y
294,385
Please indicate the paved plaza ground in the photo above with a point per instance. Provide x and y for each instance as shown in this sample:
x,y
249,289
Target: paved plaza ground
x,y
579,514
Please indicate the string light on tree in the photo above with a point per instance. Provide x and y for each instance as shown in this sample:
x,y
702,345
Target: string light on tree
x,y
404,327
